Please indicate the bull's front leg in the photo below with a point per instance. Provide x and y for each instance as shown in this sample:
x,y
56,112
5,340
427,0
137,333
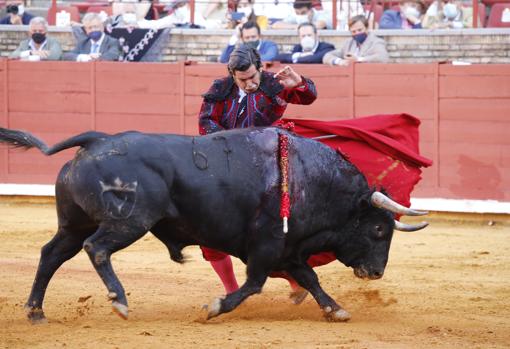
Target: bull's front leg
x,y
307,279
261,261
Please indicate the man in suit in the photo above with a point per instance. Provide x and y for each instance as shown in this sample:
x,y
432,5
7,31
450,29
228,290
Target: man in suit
x,y
310,50
362,47
304,12
249,33
38,46
96,46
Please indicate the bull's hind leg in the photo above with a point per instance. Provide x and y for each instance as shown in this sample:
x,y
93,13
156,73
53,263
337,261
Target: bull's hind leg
x,y
108,239
64,245
307,278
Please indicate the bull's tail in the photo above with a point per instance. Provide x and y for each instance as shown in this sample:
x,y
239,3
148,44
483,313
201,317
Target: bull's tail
x,y
21,139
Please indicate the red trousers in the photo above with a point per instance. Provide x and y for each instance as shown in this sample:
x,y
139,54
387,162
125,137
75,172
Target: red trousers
x,y
314,261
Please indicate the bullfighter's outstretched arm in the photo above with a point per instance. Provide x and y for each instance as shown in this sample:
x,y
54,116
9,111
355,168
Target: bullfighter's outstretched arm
x,y
305,93
297,89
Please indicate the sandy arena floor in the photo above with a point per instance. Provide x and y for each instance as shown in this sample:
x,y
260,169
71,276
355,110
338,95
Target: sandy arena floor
x,y
445,287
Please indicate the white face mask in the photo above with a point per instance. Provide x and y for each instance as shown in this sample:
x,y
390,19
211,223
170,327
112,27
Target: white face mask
x,y
450,11
21,10
300,19
129,18
307,43
183,14
412,12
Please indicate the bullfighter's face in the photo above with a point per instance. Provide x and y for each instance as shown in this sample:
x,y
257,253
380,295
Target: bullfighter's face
x,y
248,80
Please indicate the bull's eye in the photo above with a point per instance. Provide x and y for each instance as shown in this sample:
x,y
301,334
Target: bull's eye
x,y
379,230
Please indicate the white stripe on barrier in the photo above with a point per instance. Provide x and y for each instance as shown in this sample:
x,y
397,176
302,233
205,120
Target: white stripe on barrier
x,y
453,205
27,189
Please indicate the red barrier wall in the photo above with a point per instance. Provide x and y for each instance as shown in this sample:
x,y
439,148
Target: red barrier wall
x,y
465,111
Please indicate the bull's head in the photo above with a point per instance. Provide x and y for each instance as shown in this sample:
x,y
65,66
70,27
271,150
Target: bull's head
x,y
367,247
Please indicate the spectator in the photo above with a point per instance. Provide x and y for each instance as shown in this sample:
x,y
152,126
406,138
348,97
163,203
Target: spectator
x,y
274,11
244,12
310,50
179,15
347,9
448,14
249,33
409,17
38,47
16,14
304,13
362,47
96,45
126,15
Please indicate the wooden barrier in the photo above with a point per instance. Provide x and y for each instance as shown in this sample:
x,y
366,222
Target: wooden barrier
x,y
465,111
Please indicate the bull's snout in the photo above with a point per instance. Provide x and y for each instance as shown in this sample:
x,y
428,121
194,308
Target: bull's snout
x,y
376,275
362,273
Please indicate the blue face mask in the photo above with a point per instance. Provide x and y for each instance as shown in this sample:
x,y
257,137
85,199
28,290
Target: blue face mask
x,y
360,38
253,44
95,35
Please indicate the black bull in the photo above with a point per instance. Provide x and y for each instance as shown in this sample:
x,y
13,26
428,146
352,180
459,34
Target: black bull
x,y
220,191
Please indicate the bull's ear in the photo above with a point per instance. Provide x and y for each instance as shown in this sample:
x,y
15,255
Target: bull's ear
x,y
364,202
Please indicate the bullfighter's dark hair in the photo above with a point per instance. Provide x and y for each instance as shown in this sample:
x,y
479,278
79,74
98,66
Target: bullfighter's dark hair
x,y
242,58
358,18
250,25
303,3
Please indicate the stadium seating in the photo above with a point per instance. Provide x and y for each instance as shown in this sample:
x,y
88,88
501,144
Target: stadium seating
x,y
97,9
75,14
499,16
377,9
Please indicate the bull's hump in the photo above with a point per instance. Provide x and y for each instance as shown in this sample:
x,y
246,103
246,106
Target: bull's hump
x,y
265,138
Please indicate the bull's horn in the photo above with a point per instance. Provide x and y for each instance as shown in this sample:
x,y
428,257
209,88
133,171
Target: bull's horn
x,y
380,200
410,227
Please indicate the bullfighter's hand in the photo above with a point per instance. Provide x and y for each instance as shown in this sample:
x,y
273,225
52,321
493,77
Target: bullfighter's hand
x,y
288,78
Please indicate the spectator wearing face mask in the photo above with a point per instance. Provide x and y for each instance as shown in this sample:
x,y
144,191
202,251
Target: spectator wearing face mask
x,y
304,13
16,14
244,12
126,14
38,47
96,46
449,15
409,17
364,46
310,50
249,35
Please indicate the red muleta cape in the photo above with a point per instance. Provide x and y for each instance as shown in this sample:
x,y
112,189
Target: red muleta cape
x,y
385,148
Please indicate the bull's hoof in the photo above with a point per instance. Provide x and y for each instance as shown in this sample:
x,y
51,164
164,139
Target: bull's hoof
x,y
120,309
214,309
36,316
298,296
339,315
